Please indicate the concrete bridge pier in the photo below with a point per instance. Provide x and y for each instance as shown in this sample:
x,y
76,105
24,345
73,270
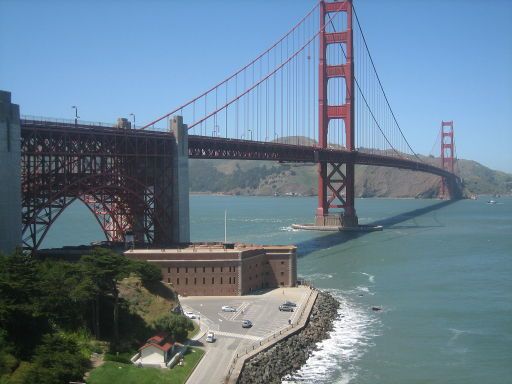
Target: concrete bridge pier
x,y
180,197
172,189
10,174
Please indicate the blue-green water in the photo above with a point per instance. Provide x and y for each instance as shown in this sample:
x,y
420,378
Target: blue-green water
x,y
441,272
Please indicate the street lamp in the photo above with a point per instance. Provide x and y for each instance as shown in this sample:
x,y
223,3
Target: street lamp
x,y
133,116
276,137
250,131
76,114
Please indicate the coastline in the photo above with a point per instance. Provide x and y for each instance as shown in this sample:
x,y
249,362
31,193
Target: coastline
x,y
290,354
234,194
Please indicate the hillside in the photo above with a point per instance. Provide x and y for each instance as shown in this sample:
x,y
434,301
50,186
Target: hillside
x,y
262,178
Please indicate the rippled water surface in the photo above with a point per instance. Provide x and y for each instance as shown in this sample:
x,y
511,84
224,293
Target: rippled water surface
x,y
442,273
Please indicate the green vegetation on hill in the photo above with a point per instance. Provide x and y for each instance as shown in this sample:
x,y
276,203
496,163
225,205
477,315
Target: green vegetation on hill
x,y
54,314
482,180
206,177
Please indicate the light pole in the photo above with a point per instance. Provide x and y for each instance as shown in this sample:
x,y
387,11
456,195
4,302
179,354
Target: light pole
x,y
76,114
250,131
133,117
276,137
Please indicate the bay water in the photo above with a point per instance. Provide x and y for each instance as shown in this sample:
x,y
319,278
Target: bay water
x,y
440,271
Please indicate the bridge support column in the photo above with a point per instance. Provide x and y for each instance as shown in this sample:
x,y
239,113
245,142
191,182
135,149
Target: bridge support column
x,y
336,187
447,157
180,198
10,174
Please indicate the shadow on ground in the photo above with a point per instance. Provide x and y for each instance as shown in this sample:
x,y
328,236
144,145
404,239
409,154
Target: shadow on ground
x,y
336,238
158,288
195,343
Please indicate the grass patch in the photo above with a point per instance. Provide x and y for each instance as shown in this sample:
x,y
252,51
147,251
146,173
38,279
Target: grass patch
x,y
193,332
121,357
150,304
113,373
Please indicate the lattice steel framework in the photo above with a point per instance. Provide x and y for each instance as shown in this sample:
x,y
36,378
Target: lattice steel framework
x,y
123,176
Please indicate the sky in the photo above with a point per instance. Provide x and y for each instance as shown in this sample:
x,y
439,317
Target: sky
x,y
437,59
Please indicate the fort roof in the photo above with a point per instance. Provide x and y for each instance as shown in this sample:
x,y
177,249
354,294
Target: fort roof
x,y
234,248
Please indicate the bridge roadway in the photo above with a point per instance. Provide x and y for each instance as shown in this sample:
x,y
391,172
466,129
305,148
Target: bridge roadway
x,y
205,147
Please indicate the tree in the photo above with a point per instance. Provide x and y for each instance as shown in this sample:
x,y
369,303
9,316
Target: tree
x,y
66,292
148,273
176,325
105,268
18,282
7,360
57,360
20,311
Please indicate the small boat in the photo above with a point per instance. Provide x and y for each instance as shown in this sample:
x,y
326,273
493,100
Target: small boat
x,y
491,202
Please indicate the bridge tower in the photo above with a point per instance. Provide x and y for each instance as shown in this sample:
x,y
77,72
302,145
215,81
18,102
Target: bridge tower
x,y
336,187
447,156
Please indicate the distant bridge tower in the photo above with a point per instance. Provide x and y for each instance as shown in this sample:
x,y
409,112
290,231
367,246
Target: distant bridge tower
x,y
447,156
336,187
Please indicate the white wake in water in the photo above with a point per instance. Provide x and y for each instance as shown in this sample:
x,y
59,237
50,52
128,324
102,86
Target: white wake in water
x,y
318,276
289,229
371,278
335,361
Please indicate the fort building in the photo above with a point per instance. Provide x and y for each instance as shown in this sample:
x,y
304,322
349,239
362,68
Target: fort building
x,y
216,269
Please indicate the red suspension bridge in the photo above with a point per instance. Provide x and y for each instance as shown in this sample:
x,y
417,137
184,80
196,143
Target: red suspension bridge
x,y
317,89
313,96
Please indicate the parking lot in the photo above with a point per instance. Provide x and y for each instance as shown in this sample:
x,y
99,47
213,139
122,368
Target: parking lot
x,y
261,309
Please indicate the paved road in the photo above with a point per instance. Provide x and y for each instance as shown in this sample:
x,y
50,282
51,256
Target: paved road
x,y
262,310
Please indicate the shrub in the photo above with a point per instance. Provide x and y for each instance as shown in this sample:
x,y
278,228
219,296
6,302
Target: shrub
x,y
176,325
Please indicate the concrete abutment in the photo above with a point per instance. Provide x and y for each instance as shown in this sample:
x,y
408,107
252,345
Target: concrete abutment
x,y
10,174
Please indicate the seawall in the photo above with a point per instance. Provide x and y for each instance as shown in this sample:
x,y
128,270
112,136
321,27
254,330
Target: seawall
x,y
289,354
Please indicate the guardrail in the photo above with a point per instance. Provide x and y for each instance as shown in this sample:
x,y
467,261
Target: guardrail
x,y
67,121
80,122
270,340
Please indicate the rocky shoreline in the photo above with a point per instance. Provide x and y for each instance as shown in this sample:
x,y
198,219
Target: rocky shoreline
x,y
290,354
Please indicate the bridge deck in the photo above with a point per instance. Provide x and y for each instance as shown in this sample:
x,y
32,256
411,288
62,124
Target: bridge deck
x,y
205,147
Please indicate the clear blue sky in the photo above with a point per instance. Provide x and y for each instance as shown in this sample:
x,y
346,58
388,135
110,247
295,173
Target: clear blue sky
x,y
437,59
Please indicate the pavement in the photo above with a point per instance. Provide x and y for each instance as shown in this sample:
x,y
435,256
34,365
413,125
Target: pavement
x,y
231,339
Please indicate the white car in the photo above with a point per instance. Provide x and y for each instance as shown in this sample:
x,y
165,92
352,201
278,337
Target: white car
x,y
228,308
210,337
190,315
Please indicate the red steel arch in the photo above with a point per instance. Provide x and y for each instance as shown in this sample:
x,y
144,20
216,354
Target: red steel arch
x,y
123,176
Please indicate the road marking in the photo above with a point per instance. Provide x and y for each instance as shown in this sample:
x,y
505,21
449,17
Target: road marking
x,y
239,336
241,309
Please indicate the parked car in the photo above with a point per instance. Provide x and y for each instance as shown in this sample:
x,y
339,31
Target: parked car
x,y
190,315
246,324
290,304
285,308
210,337
228,308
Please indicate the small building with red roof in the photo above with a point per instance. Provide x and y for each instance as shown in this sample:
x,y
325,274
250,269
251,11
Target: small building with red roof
x,y
157,351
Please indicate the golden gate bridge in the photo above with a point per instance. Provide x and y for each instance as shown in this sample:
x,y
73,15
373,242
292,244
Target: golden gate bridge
x,y
314,96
